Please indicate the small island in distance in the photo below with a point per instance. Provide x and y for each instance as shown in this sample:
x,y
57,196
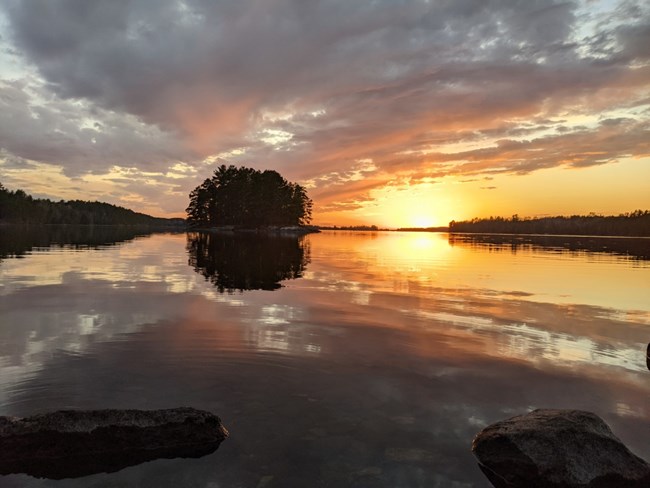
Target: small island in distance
x,y
251,200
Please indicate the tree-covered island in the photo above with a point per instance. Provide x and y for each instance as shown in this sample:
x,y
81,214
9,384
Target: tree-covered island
x,y
246,198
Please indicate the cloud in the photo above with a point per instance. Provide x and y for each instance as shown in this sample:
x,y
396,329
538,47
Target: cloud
x,y
604,144
76,135
635,41
388,82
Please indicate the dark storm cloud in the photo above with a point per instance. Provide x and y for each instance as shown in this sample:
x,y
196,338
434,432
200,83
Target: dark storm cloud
x,y
344,81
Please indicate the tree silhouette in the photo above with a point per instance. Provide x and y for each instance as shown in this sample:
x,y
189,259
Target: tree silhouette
x,y
245,197
17,207
635,223
242,261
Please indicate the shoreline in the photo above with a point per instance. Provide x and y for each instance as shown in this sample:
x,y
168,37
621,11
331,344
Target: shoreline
x,y
293,230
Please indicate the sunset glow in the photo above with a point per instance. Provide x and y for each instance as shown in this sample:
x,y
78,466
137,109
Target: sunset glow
x,y
391,114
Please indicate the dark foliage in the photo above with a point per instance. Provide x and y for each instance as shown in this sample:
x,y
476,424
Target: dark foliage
x,y
423,229
366,228
238,262
245,197
17,207
636,223
18,240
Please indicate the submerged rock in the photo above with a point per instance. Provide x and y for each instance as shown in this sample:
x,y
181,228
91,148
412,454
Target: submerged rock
x,y
557,449
69,443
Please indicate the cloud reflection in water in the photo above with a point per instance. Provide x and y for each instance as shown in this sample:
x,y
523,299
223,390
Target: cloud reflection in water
x,y
376,368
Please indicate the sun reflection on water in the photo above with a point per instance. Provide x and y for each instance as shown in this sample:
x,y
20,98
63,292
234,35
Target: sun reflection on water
x,y
388,329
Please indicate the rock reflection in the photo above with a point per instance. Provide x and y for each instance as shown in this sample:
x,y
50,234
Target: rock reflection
x,y
238,262
647,357
80,465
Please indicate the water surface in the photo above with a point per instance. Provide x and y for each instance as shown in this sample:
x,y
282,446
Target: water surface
x,y
335,360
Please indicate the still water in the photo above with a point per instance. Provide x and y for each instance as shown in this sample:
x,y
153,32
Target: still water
x,y
335,360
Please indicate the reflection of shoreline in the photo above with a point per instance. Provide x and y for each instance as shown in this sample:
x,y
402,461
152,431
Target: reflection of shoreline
x,y
271,230
243,261
336,367
635,247
18,240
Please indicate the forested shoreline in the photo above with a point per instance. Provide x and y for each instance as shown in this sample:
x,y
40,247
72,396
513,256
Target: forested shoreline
x,y
633,224
17,207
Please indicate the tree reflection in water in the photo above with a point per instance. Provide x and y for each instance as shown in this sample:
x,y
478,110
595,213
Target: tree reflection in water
x,y
247,261
636,248
18,240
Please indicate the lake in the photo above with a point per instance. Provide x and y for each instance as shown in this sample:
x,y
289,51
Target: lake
x,y
339,359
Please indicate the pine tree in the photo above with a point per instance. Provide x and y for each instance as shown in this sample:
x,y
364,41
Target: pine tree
x,y
245,197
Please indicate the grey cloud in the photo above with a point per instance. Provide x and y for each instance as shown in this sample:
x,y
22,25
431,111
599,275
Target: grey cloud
x,y
182,80
230,60
617,121
636,41
9,161
58,132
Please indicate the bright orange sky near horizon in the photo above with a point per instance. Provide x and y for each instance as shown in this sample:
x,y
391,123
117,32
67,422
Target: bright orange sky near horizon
x,y
544,193
391,114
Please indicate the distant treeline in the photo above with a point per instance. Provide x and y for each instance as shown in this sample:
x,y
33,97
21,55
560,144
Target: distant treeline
x,y
17,207
636,223
370,228
423,229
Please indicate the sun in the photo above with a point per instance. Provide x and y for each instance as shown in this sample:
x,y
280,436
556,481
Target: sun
x,y
414,205
422,220
408,206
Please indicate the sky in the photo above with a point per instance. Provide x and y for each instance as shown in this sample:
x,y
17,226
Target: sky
x,y
390,112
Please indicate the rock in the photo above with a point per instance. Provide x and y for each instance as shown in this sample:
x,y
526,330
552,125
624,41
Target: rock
x,y
557,449
69,443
